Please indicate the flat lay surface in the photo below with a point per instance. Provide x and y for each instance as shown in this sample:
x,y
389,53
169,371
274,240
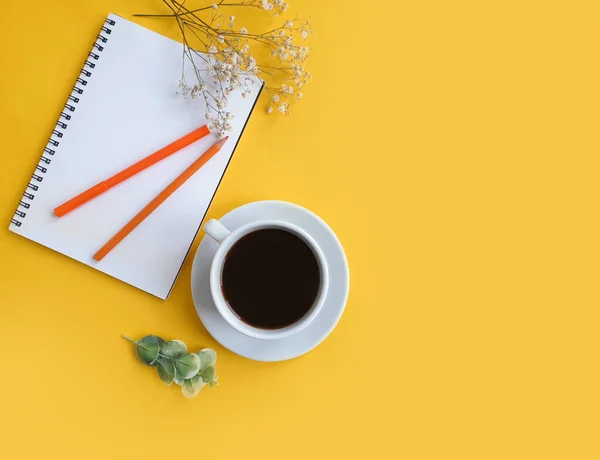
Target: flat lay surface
x,y
453,149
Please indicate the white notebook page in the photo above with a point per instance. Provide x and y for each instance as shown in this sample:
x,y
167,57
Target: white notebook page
x,y
129,109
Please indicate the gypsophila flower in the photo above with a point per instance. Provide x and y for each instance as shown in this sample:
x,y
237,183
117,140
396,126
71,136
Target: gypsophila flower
x,y
224,63
284,108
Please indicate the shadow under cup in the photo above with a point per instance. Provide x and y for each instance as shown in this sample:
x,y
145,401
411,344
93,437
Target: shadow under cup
x,y
268,279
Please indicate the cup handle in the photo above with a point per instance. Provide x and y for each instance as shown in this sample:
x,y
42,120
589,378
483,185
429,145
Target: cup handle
x,y
216,230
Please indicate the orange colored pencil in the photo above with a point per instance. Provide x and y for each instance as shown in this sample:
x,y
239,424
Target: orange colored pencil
x,y
130,171
160,198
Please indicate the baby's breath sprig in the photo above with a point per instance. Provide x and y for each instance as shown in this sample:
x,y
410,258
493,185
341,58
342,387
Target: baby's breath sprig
x,y
192,371
223,56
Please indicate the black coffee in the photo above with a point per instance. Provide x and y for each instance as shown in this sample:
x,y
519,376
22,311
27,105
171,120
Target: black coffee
x,y
270,278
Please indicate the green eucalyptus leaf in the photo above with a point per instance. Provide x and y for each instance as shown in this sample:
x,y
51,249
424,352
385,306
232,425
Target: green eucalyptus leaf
x,y
160,342
208,358
173,349
209,374
188,366
178,380
191,387
147,349
166,370
192,371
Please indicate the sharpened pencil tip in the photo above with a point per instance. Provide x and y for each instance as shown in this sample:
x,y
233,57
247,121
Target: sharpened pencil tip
x,y
221,142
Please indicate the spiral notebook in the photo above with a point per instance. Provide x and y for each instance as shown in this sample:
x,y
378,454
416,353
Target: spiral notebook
x,y
123,107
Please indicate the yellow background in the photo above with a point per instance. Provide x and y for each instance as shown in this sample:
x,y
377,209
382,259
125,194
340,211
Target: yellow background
x,y
453,147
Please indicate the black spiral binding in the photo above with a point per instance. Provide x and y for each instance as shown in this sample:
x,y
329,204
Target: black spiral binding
x,y
61,125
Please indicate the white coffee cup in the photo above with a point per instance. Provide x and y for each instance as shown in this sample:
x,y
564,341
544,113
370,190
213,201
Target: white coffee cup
x,y
226,240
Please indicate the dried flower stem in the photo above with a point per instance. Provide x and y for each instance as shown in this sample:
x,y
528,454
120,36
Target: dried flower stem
x,y
222,57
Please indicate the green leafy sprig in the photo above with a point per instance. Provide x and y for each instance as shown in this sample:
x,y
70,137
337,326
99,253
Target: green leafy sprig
x,y
192,371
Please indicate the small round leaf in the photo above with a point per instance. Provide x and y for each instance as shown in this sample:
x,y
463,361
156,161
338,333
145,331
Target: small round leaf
x,y
160,342
191,387
188,366
173,349
209,374
166,370
208,358
147,349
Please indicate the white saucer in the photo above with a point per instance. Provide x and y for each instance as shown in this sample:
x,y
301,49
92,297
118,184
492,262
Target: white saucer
x,y
304,340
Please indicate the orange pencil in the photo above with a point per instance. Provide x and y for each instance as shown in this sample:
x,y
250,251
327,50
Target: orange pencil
x,y
132,170
160,198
